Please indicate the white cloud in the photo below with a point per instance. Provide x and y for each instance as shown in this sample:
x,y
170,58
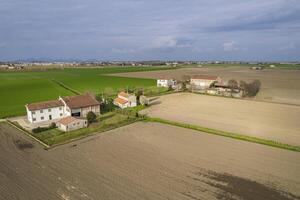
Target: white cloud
x,y
230,46
286,47
123,50
164,42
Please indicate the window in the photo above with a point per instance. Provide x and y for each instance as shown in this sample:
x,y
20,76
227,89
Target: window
x,y
42,118
33,112
49,110
34,119
60,108
41,111
60,114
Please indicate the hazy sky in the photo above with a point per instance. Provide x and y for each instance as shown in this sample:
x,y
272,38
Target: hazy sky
x,y
150,29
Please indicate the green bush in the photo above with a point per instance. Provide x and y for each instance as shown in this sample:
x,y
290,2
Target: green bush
x,y
91,117
52,125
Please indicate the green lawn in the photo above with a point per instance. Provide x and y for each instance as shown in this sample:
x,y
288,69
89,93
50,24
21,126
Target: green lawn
x,y
19,88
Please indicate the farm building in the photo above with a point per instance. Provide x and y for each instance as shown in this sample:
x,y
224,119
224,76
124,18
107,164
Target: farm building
x,y
203,81
257,68
71,123
67,106
44,111
80,105
166,82
125,100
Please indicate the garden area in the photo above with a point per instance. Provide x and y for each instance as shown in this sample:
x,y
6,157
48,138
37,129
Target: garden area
x,y
107,121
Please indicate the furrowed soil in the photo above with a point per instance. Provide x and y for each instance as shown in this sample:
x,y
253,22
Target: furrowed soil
x,y
278,85
146,161
278,122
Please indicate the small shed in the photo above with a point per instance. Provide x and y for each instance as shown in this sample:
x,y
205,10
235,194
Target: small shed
x,y
71,123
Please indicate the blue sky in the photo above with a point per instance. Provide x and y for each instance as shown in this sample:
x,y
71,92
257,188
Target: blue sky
x,y
150,29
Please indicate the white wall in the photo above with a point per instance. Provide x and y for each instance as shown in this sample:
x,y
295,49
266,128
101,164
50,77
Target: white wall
x,y
29,115
132,102
77,124
165,83
201,82
162,83
86,110
43,114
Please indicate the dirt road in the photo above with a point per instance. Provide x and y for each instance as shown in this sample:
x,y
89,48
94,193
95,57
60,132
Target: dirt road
x,y
282,86
146,161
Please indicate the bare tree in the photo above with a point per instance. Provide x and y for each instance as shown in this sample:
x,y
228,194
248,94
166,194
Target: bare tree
x,y
233,84
185,78
250,89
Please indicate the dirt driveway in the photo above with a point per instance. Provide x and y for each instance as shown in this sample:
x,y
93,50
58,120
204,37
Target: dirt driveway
x,y
277,122
282,86
146,161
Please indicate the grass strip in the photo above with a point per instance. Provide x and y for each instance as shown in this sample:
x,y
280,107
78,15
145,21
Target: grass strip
x,y
65,87
227,134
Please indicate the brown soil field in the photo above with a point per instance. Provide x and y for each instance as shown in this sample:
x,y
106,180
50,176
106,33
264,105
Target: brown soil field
x,y
140,161
278,122
281,86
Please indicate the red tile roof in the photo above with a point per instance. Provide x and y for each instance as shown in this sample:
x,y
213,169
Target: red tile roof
x,y
81,101
124,94
166,78
205,77
120,101
44,105
67,120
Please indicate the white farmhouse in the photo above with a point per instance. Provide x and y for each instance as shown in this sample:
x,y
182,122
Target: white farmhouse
x,y
166,82
67,106
203,81
125,100
71,123
45,111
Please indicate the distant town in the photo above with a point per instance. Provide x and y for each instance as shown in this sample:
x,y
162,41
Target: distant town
x,y
18,65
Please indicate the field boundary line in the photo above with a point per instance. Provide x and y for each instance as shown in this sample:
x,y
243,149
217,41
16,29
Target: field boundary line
x,y
65,86
227,134
28,134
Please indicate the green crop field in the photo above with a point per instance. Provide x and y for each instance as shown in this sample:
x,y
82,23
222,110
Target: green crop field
x,y
19,88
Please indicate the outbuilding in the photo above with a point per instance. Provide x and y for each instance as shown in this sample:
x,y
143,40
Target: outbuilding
x,y
125,100
204,81
166,82
71,123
